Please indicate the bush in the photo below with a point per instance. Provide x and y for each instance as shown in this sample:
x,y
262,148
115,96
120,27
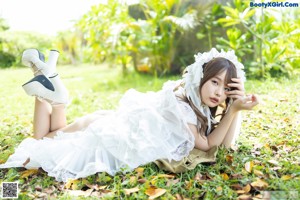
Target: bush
x,y
6,59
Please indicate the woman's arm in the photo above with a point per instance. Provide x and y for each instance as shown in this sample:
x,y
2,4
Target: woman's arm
x,y
233,130
235,126
217,136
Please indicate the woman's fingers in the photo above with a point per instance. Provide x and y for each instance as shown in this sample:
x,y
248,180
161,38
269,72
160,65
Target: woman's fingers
x,y
237,82
239,91
250,101
239,86
255,99
246,103
236,92
235,96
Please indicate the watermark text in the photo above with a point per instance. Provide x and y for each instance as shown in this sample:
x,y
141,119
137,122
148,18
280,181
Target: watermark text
x,y
274,4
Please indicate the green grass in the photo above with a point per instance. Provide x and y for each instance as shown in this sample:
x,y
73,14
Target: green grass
x,y
269,141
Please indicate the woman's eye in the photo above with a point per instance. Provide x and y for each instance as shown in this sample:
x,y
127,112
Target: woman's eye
x,y
227,89
214,82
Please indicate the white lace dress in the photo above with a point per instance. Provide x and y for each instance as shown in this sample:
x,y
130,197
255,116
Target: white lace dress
x,y
145,127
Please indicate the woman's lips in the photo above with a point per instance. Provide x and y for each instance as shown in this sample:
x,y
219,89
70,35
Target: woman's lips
x,y
214,100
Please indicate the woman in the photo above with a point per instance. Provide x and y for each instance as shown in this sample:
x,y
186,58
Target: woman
x,y
145,127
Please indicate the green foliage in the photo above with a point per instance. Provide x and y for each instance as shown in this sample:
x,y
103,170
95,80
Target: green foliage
x,y
266,38
269,140
106,28
6,59
3,25
209,29
161,37
15,42
70,44
148,40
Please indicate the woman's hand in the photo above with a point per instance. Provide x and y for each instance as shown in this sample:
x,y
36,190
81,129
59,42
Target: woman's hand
x,y
241,102
244,103
239,91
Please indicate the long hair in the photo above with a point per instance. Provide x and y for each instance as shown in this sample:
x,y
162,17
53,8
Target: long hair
x,y
211,69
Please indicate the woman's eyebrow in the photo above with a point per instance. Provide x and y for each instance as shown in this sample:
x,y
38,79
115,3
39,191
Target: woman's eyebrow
x,y
217,77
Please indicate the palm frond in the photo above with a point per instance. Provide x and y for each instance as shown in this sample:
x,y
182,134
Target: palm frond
x,y
187,22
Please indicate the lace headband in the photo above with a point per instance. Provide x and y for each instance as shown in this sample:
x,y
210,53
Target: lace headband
x,y
194,74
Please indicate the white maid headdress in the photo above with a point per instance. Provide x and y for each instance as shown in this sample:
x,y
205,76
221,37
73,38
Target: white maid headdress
x,y
194,74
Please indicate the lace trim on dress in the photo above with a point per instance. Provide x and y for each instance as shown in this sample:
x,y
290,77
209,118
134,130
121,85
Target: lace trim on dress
x,y
188,112
62,175
181,151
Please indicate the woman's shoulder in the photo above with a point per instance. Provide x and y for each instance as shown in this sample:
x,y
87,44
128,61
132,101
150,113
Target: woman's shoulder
x,y
187,111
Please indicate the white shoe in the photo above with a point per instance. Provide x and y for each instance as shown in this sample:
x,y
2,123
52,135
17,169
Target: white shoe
x,y
51,62
35,59
51,89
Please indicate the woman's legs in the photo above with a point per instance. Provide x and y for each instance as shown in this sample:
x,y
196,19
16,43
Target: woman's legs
x,y
49,113
58,117
41,118
47,118
77,125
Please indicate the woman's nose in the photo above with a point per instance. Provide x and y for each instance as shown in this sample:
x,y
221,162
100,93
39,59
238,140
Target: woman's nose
x,y
218,91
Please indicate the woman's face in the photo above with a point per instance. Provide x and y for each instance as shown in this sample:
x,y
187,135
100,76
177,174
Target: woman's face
x,y
213,91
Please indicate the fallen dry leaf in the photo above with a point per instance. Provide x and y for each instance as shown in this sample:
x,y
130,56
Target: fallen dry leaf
x,y
258,173
249,166
80,192
29,172
256,162
259,196
154,192
259,184
229,158
240,192
225,177
275,168
131,190
198,176
140,171
237,176
274,162
244,190
172,182
188,184
237,187
286,177
165,176
247,188
38,188
96,187
244,197
142,180
71,183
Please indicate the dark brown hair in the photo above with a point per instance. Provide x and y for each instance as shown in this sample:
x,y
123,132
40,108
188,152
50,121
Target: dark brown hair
x,y
211,69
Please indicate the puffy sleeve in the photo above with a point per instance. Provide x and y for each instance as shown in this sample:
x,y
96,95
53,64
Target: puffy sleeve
x,y
188,113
